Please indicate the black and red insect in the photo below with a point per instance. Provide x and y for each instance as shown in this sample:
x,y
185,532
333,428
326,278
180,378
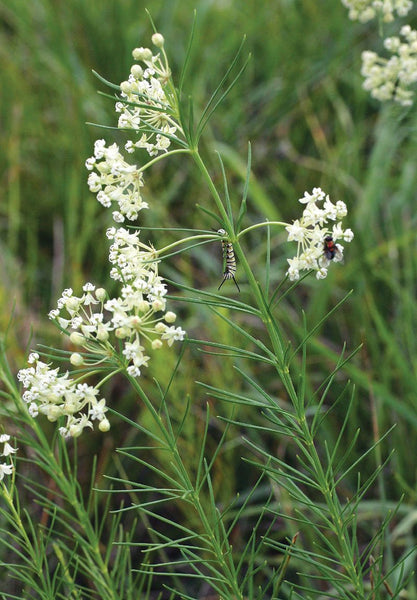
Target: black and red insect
x,y
331,249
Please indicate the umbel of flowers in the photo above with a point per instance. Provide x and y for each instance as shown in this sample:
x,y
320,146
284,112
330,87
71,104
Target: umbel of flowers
x,y
137,318
388,78
148,101
391,78
320,221
115,182
365,10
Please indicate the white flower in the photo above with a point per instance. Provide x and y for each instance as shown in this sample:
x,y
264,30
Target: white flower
x,y
5,469
293,271
391,78
76,426
316,195
136,317
317,242
365,10
147,103
116,181
296,232
347,235
8,449
56,395
171,334
33,410
97,410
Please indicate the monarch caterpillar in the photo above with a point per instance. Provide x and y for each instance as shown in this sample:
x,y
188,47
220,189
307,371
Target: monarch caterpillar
x,y
229,261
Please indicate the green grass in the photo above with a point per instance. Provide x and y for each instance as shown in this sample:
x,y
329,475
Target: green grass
x,y
301,105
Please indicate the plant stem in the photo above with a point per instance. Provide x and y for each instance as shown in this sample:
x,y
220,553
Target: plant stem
x,y
306,437
69,489
263,224
216,196
163,157
191,493
208,236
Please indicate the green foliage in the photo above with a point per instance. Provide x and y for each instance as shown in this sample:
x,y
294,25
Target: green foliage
x,y
275,477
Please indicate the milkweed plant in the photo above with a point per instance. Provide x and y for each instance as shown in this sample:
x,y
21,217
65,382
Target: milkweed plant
x,y
116,332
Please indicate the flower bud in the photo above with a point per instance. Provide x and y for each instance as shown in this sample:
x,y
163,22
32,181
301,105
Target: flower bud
x,y
143,306
101,294
75,430
170,317
158,305
72,304
104,425
135,322
158,40
76,359
125,87
77,338
137,71
122,332
102,334
52,413
142,54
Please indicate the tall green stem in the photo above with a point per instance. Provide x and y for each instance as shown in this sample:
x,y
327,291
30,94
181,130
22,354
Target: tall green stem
x,y
216,196
327,489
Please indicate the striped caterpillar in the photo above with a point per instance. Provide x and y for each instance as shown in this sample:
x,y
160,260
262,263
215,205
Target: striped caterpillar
x,y
229,260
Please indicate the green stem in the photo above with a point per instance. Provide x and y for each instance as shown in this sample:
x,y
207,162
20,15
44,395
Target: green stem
x,y
264,224
282,368
162,157
66,486
191,492
278,345
208,236
332,503
216,196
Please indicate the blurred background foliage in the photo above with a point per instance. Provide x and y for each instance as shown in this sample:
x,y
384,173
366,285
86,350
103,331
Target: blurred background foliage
x,y
301,104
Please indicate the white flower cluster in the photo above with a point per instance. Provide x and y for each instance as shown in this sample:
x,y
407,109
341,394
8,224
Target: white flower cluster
x,y
131,259
131,317
317,245
55,395
365,10
115,181
150,106
114,329
388,79
6,469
